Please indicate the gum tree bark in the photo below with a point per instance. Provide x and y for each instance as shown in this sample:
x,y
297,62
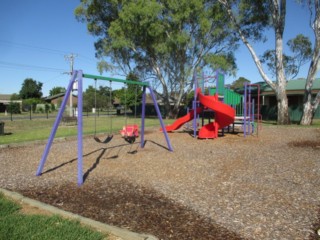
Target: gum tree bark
x,y
311,104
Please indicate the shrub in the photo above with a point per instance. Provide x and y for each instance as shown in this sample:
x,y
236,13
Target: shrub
x,y
14,108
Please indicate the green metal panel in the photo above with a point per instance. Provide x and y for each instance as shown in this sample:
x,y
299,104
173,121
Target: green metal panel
x,y
212,91
317,113
221,89
295,113
230,97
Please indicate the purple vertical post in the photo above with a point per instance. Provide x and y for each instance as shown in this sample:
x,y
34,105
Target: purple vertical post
x,y
245,110
249,108
253,115
143,115
164,130
194,104
56,124
80,129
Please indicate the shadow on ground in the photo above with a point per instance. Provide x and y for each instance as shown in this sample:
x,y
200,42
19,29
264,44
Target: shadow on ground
x,y
139,209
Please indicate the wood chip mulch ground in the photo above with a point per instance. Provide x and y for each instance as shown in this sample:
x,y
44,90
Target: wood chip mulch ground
x,y
258,187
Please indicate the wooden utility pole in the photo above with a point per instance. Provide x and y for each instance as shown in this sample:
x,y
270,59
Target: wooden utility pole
x,y
70,58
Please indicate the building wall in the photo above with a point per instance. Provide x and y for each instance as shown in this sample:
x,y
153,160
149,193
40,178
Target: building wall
x,y
57,101
295,104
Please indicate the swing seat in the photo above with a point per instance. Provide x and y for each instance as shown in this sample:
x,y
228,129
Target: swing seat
x,y
108,139
130,131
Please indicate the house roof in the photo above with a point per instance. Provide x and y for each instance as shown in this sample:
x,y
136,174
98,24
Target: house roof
x,y
5,97
56,96
300,84
293,87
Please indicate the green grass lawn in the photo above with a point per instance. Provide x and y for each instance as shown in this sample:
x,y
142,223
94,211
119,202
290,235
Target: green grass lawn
x,y
15,225
23,130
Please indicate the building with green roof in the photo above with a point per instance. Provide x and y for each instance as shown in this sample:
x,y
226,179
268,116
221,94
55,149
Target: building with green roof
x,y
295,93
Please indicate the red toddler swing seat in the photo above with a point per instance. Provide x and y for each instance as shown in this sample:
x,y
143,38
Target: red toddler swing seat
x,y
130,132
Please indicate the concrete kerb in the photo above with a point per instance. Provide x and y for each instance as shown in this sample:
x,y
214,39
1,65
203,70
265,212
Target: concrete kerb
x,y
105,228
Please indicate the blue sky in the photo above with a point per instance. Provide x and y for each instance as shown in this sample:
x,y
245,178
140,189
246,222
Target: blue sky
x,y
37,34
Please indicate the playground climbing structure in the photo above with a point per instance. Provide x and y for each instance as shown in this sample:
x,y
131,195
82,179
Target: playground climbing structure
x,y
230,109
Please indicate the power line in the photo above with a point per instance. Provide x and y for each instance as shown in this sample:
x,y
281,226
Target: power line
x,y
43,49
32,47
31,67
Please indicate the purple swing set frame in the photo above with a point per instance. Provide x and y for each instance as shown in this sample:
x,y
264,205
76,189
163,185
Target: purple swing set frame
x,y
77,76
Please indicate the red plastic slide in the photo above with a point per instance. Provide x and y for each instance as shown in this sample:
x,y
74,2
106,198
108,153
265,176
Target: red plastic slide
x,y
180,121
224,116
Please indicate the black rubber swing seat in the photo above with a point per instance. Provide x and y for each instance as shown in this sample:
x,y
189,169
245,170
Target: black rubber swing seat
x,y
130,139
108,139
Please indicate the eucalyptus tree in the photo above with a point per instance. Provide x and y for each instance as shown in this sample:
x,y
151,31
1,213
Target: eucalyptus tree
x,y
250,19
310,103
163,41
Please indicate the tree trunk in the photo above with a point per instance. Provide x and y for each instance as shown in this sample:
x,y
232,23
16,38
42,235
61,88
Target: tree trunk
x,y
282,102
281,95
310,107
166,102
307,115
278,15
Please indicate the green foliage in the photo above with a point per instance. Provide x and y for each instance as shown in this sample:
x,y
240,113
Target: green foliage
x,y
224,62
301,46
43,108
253,17
163,40
14,107
129,96
189,99
239,83
31,89
15,96
53,107
301,50
97,98
134,93
31,103
57,90
14,225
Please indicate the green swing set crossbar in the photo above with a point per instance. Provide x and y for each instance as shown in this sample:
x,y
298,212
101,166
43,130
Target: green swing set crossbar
x,y
115,80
